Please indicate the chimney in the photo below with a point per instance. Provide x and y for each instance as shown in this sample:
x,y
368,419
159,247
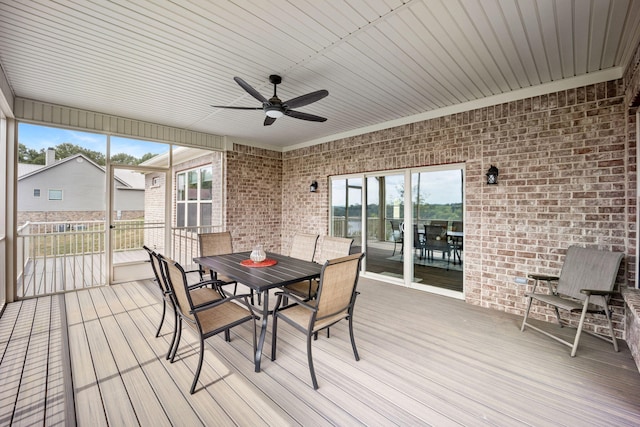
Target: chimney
x,y
51,156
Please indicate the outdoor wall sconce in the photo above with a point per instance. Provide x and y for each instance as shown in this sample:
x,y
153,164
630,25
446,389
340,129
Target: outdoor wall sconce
x,y
313,187
492,175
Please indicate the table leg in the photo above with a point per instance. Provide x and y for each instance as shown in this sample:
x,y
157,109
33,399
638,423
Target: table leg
x,y
263,330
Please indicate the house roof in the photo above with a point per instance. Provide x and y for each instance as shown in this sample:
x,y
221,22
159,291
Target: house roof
x,y
125,177
384,62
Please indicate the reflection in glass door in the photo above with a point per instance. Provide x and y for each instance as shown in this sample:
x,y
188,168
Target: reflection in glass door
x,y
385,225
437,229
346,210
413,224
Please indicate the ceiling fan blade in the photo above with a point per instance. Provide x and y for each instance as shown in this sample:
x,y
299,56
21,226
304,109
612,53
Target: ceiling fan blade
x,y
268,121
237,108
307,99
250,90
304,116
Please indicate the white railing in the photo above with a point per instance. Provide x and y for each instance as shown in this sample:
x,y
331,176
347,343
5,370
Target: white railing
x,y
57,257
185,245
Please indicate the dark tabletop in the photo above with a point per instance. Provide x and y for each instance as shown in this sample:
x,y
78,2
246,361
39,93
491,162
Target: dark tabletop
x,y
287,270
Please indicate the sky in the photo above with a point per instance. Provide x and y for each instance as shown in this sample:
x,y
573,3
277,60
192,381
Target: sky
x,y
439,187
42,137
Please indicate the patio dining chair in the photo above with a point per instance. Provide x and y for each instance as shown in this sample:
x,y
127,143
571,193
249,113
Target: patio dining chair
x,y
200,293
585,285
334,302
212,244
207,318
434,240
330,248
397,235
303,247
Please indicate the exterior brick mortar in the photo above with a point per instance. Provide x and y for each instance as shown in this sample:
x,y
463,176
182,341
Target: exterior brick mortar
x,y
565,178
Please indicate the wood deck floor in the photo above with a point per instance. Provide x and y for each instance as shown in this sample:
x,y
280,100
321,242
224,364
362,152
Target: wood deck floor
x,y
90,358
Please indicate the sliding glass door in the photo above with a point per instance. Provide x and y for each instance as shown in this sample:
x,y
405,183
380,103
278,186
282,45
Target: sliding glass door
x,y
412,221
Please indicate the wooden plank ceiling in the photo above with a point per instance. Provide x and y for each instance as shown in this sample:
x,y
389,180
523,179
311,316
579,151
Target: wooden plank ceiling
x,y
382,61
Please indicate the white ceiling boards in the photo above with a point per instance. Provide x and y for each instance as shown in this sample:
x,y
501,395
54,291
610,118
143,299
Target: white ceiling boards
x,y
382,61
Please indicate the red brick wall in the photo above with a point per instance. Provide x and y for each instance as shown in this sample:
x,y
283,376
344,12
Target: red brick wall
x,y
566,177
254,198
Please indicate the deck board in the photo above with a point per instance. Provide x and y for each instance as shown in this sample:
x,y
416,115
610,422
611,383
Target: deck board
x,y
13,360
31,402
425,360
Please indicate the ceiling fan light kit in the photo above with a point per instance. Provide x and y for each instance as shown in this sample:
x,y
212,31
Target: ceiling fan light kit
x,y
274,108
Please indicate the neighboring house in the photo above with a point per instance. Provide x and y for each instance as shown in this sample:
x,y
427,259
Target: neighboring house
x,y
73,189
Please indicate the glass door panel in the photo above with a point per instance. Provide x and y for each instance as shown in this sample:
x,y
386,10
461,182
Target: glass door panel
x,y
385,219
346,210
437,206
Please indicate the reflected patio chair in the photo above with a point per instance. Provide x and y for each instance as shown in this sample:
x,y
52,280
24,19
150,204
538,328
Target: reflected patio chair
x,y
585,285
212,244
434,240
200,293
397,235
207,318
303,247
419,243
335,301
457,242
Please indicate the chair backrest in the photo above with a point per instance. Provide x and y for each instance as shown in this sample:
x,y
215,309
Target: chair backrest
x,y
158,272
432,232
418,240
178,282
338,282
440,223
215,244
396,232
303,246
334,247
457,226
586,268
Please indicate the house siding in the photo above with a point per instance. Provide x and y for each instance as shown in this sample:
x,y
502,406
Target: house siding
x,y
83,187
567,176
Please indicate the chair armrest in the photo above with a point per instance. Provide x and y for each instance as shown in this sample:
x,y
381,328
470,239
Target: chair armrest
x,y
210,304
543,277
205,283
547,278
595,292
295,299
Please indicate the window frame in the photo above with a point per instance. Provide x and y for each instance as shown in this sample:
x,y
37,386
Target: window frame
x,y
50,190
188,198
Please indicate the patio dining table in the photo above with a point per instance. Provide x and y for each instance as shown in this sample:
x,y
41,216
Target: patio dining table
x,y
287,270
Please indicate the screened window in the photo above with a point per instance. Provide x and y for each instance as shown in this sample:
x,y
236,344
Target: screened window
x,y
194,197
36,192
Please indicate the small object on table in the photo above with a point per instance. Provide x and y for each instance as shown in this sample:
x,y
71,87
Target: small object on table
x,y
258,254
267,262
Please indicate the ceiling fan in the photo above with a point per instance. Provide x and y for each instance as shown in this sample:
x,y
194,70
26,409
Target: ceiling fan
x,y
274,108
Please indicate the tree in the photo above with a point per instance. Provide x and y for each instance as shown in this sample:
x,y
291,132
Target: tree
x,y
67,149
146,157
30,155
124,159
